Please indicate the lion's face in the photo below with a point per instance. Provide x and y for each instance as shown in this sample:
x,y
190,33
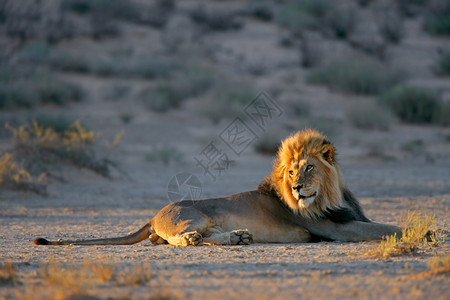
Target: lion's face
x,y
303,179
306,175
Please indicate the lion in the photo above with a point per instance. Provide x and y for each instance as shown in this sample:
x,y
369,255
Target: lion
x,y
303,198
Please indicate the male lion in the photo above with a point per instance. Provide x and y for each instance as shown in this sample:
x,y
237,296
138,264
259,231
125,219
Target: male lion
x,y
304,197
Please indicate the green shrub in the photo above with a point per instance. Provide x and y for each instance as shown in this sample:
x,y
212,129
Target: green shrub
x,y
414,146
341,21
115,66
29,91
58,123
13,95
220,20
437,20
390,26
261,9
298,108
227,101
414,104
36,52
327,126
267,144
299,15
165,154
443,65
52,90
356,74
369,116
162,97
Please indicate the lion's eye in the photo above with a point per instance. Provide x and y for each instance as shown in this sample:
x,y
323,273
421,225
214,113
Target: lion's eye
x,y
291,172
309,168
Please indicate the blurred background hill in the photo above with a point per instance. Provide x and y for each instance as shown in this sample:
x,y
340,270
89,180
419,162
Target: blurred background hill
x,y
170,75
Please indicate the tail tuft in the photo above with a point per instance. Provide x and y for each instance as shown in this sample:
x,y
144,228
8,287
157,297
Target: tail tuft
x,y
41,241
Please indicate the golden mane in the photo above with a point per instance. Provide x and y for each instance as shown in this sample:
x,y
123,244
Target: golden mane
x,y
307,143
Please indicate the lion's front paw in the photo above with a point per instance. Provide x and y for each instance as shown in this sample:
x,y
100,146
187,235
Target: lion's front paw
x,y
241,237
192,238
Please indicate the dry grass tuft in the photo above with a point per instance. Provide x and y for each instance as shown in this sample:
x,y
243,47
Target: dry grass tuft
x,y
417,232
136,275
8,272
439,265
63,281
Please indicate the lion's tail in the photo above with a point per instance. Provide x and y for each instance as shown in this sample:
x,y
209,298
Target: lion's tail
x,y
129,239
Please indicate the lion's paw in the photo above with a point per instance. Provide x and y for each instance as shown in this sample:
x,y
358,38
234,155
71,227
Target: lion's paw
x,y
192,238
241,237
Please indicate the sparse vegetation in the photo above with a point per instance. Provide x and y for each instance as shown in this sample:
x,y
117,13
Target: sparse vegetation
x,y
43,147
415,146
77,281
58,123
298,108
416,233
227,101
439,265
416,105
437,20
367,115
356,74
165,154
328,127
8,272
219,20
14,177
115,66
300,15
268,144
19,89
162,97
443,65
390,26
341,21
261,9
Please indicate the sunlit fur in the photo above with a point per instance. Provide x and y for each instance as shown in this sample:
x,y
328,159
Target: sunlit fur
x,y
313,146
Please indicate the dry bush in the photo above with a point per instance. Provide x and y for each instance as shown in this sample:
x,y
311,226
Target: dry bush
x,y
43,148
68,281
417,232
8,272
81,277
14,177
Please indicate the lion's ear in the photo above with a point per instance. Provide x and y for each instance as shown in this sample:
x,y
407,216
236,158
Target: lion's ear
x,y
328,153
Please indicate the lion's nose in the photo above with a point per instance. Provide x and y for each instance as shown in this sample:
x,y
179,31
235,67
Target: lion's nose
x,y
298,187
